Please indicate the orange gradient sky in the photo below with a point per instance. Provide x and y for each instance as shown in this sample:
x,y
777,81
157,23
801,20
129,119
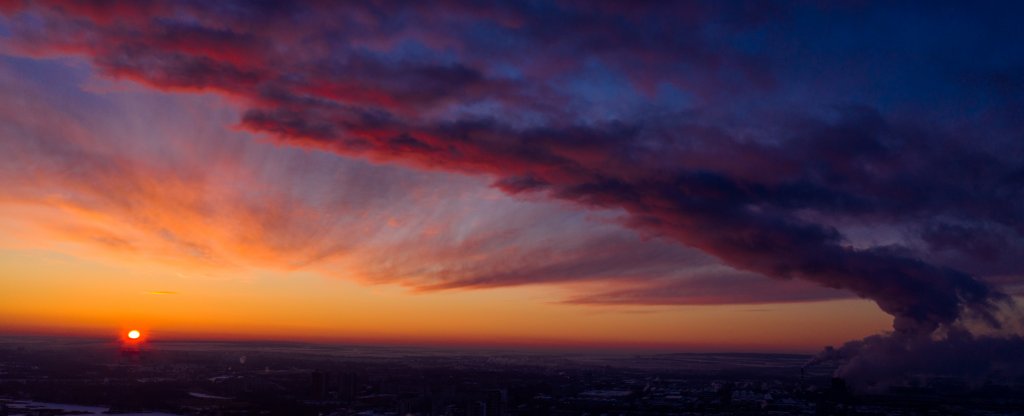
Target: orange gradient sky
x,y
58,293
130,207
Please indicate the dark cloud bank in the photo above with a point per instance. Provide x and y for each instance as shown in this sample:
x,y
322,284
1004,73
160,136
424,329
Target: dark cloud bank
x,y
878,150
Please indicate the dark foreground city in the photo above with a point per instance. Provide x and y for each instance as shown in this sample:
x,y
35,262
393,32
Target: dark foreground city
x,y
50,376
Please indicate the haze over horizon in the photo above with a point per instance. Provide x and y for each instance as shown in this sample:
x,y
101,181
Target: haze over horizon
x,y
699,176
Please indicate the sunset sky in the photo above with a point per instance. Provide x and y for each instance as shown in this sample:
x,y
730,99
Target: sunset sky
x,y
691,176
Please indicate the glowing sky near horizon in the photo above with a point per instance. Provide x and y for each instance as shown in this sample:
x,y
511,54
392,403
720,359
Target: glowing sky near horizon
x,y
493,202
73,260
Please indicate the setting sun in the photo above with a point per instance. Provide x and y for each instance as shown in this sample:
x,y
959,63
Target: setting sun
x,y
134,334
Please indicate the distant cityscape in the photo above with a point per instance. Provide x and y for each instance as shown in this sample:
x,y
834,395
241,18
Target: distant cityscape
x,y
44,376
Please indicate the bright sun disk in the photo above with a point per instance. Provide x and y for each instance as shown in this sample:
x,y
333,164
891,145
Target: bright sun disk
x,y
134,334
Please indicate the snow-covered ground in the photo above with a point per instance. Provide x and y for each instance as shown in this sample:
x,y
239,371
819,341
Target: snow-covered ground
x,y
26,407
207,396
